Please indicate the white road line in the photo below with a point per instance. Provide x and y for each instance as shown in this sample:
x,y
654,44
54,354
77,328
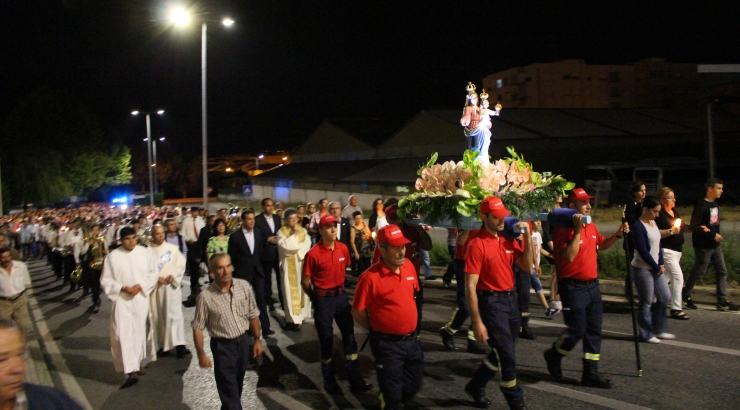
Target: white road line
x,y
284,399
57,366
586,397
687,345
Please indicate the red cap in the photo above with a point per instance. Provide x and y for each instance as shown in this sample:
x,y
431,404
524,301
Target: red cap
x,y
579,194
493,205
392,235
327,220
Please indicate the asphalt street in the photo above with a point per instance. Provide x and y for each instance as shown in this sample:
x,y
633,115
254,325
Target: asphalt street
x,y
697,371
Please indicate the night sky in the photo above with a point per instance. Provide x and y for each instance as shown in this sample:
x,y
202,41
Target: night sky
x,y
287,65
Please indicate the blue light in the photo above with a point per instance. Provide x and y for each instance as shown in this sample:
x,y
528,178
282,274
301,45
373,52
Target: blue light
x,y
120,200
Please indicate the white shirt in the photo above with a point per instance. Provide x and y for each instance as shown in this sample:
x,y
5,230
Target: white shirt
x,y
249,235
270,223
537,242
14,282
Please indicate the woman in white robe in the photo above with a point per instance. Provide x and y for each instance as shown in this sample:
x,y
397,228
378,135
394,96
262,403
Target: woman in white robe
x,y
293,243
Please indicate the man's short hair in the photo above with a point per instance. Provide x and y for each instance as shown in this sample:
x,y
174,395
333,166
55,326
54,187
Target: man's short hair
x,y
4,249
265,200
332,203
390,201
323,199
126,231
247,212
711,182
215,258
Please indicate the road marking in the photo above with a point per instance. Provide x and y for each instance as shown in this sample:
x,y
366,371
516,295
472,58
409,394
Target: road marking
x,y
586,397
53,356
687,345
284,399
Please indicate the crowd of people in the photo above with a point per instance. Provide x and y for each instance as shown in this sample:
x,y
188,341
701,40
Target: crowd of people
x,y
139,259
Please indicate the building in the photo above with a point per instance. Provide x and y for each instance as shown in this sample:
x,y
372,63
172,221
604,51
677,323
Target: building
x,y
650,83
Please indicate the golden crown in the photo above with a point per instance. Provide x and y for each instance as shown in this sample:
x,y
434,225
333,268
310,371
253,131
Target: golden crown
x,y
483,95
470,87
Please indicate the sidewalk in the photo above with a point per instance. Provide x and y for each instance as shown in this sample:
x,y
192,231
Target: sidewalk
x,y
705,295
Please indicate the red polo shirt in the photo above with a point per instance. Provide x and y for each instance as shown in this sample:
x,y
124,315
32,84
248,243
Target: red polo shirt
x,y
326,267
583,266
492,257
460,247
388,297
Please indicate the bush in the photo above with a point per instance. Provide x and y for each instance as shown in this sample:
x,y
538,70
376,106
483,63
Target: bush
x,y
439,255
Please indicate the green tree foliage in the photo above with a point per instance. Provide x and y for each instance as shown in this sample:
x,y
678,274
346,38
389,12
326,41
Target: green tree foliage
x,y
55,148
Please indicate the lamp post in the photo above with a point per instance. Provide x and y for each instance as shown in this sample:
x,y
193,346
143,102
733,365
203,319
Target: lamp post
x,y
154,163
181,17
257,163
149,149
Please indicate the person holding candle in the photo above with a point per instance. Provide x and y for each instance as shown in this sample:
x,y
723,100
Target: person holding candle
x,y
649,271
671,227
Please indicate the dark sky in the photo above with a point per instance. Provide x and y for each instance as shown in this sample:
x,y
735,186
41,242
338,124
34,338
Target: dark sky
x,y
287,65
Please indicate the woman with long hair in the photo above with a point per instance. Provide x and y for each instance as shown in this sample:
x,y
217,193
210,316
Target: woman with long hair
x,y
632,212
378,212
672,243
362,244
219,242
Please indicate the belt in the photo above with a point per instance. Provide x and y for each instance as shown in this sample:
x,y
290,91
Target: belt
x,y
328,293
495,293
578,282
392,337
14,297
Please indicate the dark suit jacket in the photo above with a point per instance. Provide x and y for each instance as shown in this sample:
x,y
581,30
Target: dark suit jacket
x,y
269,250
204,235
246,264
345,232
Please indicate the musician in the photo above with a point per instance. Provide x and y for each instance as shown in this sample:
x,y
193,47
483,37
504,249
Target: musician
x,y
70,241
92,253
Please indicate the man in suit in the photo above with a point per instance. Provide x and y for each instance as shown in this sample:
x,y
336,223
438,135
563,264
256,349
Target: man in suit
x,y
245,247
190,233
343,230
269,224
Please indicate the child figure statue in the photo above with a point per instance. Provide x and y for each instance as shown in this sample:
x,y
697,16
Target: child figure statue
x,y
485,126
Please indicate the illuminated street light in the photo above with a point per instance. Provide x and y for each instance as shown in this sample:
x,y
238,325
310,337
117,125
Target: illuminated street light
x,y
261,156
285,158
148,140
181,17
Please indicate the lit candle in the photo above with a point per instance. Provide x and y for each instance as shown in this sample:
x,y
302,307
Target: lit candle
x,y
373,235
677,224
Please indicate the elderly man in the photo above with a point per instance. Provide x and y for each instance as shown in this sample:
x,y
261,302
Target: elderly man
x,y
14,281
167,323
227,309
351,209
129,276
14,392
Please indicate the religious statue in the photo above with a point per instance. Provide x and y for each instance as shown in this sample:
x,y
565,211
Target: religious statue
x,y
477,122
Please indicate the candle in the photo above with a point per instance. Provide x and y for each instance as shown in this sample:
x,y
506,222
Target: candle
x,y
677,224
373,234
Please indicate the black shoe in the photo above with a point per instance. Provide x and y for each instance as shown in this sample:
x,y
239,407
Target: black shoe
x,y
271,308
526,333
553,359
190,301
267,332
688,303
476,348
142,371
360,387
296,327
182,351
728,307
478,394
591,376
447,339
520,406
133,378
97,303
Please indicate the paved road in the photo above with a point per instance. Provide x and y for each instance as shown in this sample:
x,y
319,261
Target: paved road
x,y
698,371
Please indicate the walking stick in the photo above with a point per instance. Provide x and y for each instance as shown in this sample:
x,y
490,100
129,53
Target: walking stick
x,y
632,299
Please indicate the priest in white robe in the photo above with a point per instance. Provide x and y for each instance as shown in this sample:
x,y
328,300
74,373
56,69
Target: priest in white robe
x,y
129,276
293,243
165,302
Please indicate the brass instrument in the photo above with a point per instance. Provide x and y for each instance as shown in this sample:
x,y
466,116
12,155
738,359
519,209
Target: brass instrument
x,y
144,237
97,249
76,274
233,220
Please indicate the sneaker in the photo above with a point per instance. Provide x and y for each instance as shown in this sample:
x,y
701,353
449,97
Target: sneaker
x,y
551,312
728,307
653,340
689,304
666,336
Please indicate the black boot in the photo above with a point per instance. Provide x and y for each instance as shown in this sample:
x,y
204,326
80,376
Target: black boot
x,y
476,388
525,332
447,339
330,382
553,359
182,351
591,376
356,383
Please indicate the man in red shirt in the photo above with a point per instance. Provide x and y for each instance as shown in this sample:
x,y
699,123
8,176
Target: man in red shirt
x,y
384,304
575,251
323,281
492,301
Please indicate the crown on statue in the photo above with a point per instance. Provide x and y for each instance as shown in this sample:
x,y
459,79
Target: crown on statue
x,y
470,87
483,95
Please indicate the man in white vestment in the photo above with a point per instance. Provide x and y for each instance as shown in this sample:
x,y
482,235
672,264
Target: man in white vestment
x,y
129,275
293,243
167,323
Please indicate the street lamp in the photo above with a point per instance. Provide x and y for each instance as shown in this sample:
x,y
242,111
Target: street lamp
x,y
181,17
154,164
149,149
257,163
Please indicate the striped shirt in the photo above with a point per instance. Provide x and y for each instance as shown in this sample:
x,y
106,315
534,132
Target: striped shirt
x,y
226,314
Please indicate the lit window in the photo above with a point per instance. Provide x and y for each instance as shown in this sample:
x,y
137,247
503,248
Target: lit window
x,y
499,83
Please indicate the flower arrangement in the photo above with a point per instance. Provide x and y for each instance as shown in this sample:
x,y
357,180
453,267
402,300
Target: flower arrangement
x,y
454,190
